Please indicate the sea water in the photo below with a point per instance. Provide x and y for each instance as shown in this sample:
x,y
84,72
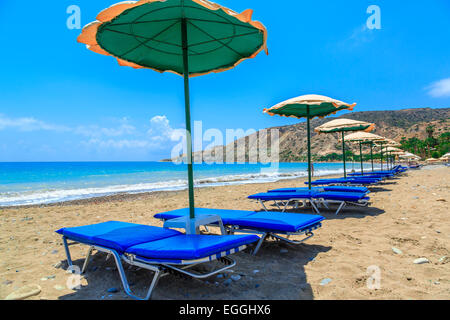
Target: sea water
x,y
49,182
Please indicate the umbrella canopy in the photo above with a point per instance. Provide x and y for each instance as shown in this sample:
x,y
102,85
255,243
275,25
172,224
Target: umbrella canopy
x,y
385,143
149,34
446,156
185,37
408,155
309,107
364,138
392,149
342,126
391,143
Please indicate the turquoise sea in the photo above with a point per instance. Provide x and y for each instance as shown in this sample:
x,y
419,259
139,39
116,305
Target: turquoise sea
x,y
48,182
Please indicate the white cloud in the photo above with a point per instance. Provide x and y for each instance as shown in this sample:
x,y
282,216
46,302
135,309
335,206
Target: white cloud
x,y
118,144
159,136
122,136
96,131
161,131
358,37
439,88
29,124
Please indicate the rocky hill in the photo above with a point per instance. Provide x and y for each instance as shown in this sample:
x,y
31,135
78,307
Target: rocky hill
x,y
292,139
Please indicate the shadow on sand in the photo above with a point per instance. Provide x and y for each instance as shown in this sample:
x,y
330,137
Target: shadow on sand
x,y
349,211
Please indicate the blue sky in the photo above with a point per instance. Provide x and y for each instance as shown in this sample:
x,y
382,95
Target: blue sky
x,y
62,102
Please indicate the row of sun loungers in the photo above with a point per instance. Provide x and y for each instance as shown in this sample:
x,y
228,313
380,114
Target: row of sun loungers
x,y
164,251
283,200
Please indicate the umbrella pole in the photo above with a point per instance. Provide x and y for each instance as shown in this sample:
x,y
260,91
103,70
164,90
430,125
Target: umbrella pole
x,y
309,146
360,157
371,155
381,155
390,161
188,118
389,158
343,154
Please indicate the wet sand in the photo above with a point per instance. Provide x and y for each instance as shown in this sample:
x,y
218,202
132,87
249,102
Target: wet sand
x,y
410,213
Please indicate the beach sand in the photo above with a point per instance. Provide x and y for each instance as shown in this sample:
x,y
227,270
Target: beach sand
x,y
410,213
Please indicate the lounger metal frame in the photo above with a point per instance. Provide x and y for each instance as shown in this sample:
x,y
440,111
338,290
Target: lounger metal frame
x,y
348,184
315,203
160,268
232,229
342,204
307,231
286,203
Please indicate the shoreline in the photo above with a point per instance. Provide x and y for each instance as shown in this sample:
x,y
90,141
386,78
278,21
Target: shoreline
x,y
126,196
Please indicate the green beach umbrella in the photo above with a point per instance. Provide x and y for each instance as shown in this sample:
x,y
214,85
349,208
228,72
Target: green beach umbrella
x,y
392,151
185,37
385,143
410,156
364,138
309,107
342,126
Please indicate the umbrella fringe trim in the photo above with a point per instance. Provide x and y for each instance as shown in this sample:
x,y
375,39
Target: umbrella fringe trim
x,y
348,107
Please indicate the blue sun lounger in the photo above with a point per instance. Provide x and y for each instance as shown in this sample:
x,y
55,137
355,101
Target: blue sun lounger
x,y
157,249
388,173
346,182
370,175
269,224
325,188
316,199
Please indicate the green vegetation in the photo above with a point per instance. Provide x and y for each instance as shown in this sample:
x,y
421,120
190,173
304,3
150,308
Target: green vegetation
x,y
349,156
430,147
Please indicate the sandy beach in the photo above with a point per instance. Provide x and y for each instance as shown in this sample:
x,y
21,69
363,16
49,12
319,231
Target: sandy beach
x,y
409,215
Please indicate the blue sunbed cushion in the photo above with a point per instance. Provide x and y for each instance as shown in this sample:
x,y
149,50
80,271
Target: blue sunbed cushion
x,y
190,247
347,181
268,196
117,235
285,222
328,195
268,221
326,188
340,196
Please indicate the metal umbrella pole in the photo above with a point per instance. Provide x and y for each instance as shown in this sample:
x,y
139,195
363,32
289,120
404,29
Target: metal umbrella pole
x,y
371,155
309,145
187,109
343,154
360,158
